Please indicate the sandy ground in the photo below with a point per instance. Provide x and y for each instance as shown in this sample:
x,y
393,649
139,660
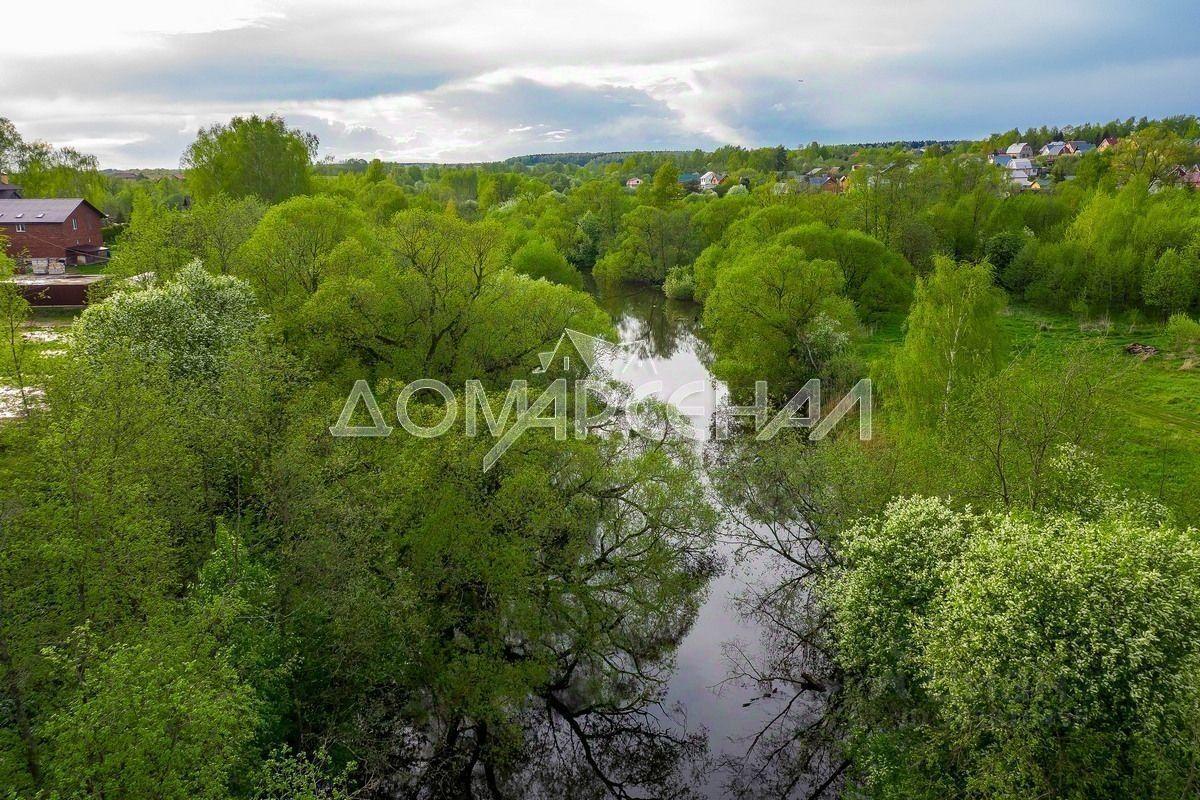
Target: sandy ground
x,y
11,406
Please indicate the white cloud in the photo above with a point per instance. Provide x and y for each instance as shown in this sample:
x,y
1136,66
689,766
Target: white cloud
x,y
474,80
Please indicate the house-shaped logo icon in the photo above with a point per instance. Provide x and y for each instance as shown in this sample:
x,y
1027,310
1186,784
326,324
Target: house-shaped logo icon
x,y
576,352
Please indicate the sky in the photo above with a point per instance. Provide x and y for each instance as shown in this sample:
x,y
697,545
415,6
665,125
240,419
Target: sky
x,y
459,80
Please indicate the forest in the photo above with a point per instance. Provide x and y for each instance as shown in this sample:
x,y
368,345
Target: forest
x,y
204,594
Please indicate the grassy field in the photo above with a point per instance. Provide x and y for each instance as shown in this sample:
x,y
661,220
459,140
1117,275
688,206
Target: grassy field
x,y
1159,454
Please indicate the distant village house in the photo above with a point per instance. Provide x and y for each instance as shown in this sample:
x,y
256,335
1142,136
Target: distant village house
x,y
711,180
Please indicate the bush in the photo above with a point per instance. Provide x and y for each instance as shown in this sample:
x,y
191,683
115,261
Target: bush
x,y
1183,332
1002,249
539,259
680,285
1170,282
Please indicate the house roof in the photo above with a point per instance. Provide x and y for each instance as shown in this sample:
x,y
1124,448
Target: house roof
x,y
1053,148
1080,146
1015,148
41,209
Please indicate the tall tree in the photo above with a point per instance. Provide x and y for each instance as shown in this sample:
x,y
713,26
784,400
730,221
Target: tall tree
x,y
953,337
250,156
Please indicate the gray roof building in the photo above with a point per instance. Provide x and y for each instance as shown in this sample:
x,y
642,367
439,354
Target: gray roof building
x,y
41,209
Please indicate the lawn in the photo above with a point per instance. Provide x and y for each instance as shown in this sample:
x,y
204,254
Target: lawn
x,y
1159,454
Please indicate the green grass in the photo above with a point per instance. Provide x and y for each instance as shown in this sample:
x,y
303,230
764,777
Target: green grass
x,y
1159,451
52,317
1158,454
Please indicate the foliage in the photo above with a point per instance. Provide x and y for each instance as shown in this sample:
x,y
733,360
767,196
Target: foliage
x,y
188,324
165,717
1183,331
994,656
953,338
876,279
299,243
653,242
250,157
680,284
538,259
1172,283
778,316
438,303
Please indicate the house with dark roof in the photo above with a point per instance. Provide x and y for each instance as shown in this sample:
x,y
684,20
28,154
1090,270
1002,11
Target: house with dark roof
x,y
1078,148
8,191
52,228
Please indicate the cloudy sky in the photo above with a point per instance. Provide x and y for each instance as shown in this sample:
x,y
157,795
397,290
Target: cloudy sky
x,y
458,80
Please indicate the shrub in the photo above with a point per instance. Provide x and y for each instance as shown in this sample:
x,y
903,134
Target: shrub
x,y
1183,332
680,285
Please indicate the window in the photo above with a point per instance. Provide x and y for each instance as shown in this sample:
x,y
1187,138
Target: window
x,y
74,224
20,227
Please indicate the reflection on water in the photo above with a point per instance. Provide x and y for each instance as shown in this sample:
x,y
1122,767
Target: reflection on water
x,y
676,357
673,362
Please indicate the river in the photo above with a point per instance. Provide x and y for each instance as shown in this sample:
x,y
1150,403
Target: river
x,y
674,365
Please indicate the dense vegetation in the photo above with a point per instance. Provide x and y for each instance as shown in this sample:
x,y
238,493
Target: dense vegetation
x,y
205,594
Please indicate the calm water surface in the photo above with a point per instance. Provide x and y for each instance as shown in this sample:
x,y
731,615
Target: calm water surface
x,y
677,357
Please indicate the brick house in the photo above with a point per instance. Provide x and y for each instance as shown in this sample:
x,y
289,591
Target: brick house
x,y
52,228
8,191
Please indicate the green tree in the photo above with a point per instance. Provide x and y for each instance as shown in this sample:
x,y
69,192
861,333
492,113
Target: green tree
x,y
664,188
439,304
538,259
507,595
652,242
877,279
777,315
217,228
165,717
1151,154
299,243
250,156
953,337
992,657
188,324
1172,282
